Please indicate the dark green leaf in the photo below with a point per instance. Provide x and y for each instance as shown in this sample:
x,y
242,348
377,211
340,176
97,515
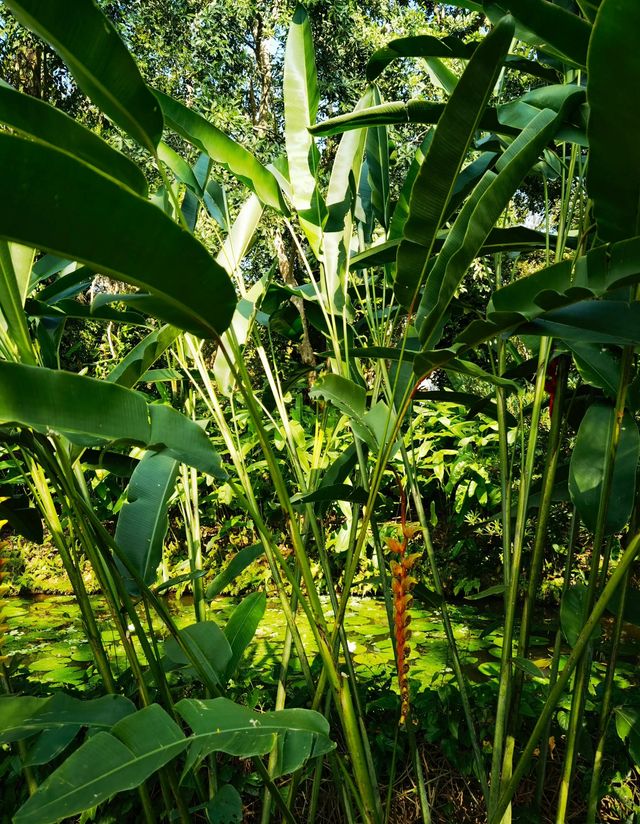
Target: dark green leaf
x,y
207,647
222,726
86,410
107,763
588,468
223,150
335,492
143,519
62,205
242,625
99,61
236,565
226,807
613,173
34,118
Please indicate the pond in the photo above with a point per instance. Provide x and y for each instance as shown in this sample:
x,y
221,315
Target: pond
x,y
46,639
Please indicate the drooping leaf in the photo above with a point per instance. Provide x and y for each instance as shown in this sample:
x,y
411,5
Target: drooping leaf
x,y
99,62
478,216
333,493
136,363
236,565
613,174
597,365
509,239
242,625
226,806
572,615
301,97
206,644
421,45
34,118
602,270
24,716
107,763
222,726
436,178
223,150
89,411
591,321
64,206
588,467
565,32
400,112
143,520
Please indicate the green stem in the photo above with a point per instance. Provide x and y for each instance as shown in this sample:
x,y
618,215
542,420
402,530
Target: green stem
x,y
627,558
504,689
584,665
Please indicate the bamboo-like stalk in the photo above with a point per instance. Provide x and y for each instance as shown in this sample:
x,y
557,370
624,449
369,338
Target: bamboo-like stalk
x,y
584,664
505,685
627,558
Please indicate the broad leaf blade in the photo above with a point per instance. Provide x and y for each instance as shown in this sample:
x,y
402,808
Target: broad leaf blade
x,y
613,174
301,96
89,411
143,520
436,178
64,206
242,625
236,565
99,61
107,763
37,119
588,462
222,726
223,150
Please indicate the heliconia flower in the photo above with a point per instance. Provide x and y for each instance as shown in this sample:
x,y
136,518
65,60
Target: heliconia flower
x,y
401,585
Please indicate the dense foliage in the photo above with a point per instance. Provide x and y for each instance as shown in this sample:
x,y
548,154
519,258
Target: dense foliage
x,y
262,332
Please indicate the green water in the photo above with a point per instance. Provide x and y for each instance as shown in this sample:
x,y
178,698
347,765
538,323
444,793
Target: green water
x,y
47,644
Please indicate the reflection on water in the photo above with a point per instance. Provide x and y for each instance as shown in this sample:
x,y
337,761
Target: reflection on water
x,y
46,638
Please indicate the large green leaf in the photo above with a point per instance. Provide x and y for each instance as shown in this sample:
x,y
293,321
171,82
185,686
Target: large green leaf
x,y
613,174
301,96
88,410
222,726
399,112
107,763
99,61
24,716
34,118
401,210
222,149
242,625
628,728
436,178
509,239
478,216
565,32
143,520
603,269
421,45
137,362
572,609
429,47
377,150
591,321
588,462
203,646
64,206
236,565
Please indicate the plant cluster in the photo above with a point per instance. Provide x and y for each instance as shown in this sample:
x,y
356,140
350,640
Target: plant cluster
x,y
454,367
